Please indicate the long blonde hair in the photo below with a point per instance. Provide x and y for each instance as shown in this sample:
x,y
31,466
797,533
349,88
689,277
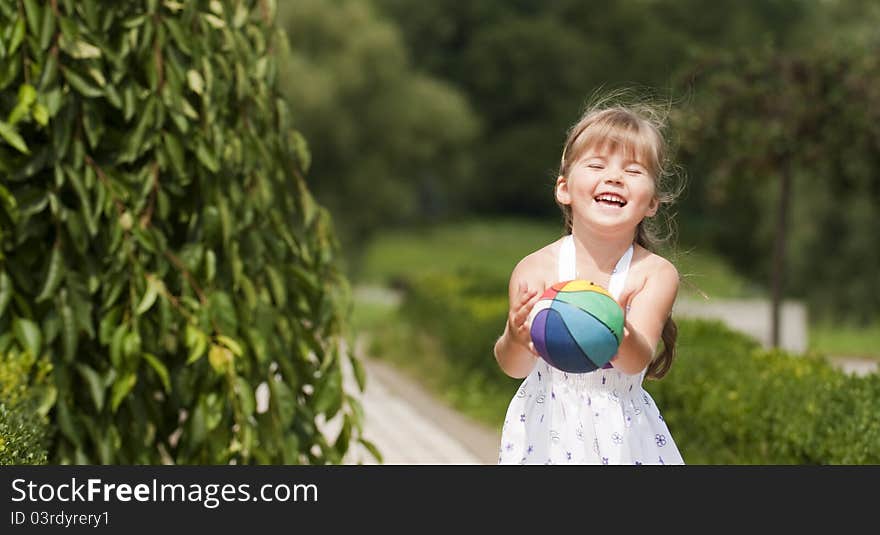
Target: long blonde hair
x,y
637,129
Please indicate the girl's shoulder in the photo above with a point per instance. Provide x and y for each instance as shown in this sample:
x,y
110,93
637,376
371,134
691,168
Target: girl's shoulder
x,y
646,265
538,267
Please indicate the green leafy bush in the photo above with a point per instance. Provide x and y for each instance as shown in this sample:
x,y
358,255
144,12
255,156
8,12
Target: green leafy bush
x,y
159,245
727,400
25,396
467,312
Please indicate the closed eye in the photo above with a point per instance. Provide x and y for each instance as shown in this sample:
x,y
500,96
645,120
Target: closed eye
x,y
634,171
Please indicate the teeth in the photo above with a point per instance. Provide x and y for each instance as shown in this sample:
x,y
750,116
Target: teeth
x,y
611,198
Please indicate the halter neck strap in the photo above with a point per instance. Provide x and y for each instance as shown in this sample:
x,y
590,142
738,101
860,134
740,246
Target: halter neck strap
x,y
568,266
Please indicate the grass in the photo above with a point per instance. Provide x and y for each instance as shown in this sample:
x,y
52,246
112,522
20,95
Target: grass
x,y
495,246
492,246
705,273
846,340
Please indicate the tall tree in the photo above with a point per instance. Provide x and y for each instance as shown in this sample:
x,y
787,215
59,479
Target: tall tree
x,y
783,147
159,243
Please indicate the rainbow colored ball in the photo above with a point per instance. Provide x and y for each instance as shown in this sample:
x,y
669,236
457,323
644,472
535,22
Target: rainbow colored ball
x,y
577,326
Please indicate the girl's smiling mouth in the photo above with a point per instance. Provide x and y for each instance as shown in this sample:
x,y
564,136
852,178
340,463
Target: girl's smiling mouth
x,y
610,199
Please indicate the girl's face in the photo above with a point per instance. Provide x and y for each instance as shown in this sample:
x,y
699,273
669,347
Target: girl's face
x,y
608,190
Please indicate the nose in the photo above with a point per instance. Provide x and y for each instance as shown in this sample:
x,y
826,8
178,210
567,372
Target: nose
x,y
614,177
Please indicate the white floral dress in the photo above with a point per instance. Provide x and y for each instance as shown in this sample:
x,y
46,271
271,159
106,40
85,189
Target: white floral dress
x,y
599,417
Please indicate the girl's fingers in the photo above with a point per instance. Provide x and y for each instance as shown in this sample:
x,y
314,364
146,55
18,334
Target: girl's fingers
x,y
526,308
525,294
522,314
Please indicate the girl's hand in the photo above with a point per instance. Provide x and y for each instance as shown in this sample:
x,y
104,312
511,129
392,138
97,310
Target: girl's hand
x,y
517,324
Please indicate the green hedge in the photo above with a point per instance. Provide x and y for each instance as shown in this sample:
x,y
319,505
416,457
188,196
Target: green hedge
x,y
25,397
465,316
726,400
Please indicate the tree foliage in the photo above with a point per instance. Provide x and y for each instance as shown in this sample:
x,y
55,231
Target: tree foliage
x,y
813,114
159,243
528,68
389,144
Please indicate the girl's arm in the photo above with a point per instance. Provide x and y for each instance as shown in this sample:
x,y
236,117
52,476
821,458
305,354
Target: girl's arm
x,y
514,350
650,307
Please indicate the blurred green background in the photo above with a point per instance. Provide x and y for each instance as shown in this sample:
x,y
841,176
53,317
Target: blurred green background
x,y
435,129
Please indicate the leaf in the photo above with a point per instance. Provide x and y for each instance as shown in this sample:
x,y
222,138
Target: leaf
x,y
150,295
210,265
374,451
342,440
17,36
145,239
161,370
196,341
93,127
8,133
5,291
180,39
234,346
79,83
175,153
225,222
241,14
133,145
41,115
283,401
79,49
113,96
28,335
76,229
108,325
66,423
121,388
214,21
204,156
84,199
328,393
222,311
34,15
276,284
195,81
359,373
69,331
131,345
135,21
96,385
245,395
53,275
128,102
47,400
47,28
257,343
27,95
49,75
116,345
219,357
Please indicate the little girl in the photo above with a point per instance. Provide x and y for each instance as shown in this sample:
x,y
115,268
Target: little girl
x,y
609,184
